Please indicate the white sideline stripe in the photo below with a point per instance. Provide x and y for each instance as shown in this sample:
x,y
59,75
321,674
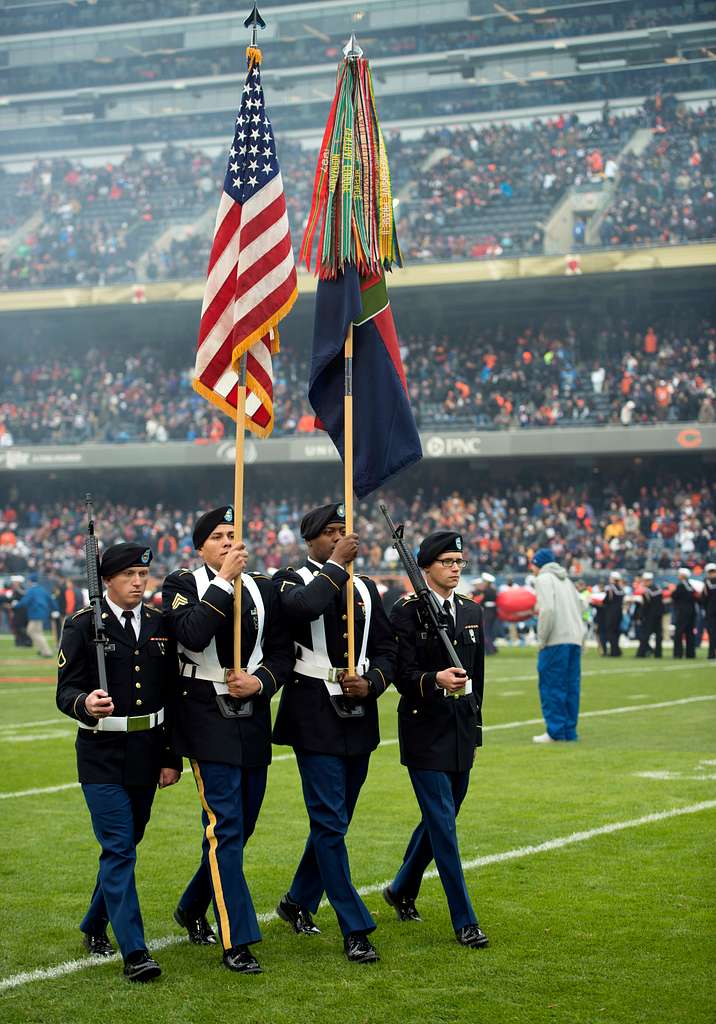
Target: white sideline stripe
x,y
34,737
31,725
607,711
394,740
72,966
38,792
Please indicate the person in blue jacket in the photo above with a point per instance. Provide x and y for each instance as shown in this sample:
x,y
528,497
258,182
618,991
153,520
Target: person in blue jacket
x,y
39,606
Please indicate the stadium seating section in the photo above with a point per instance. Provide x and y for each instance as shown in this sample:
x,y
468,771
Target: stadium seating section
x,y
591,528
462,195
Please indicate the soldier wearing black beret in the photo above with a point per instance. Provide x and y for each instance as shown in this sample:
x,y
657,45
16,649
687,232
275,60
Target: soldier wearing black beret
x,y
439,727
122,749
222,723
331,718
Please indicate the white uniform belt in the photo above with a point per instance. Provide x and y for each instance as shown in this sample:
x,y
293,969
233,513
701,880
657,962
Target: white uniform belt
x,y
314,669
126,723
211,674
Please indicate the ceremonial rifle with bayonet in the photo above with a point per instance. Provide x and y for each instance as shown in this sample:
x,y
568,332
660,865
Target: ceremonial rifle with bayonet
x,y
102,644
429,604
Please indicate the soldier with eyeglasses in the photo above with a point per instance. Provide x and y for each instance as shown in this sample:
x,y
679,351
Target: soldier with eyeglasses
x,y
439,726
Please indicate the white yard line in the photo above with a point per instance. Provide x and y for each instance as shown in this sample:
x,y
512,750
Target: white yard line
x,y
35,737
391,742
40,791
72,966
57,720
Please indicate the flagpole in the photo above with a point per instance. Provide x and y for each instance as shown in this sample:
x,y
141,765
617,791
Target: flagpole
x,y
239,502
351,52
348,491
254,22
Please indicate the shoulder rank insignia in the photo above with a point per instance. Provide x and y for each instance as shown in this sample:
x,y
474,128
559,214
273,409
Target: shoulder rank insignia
x,y
88,608
179,600
61,659
184,570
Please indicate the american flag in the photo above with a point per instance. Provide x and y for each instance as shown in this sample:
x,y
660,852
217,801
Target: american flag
x,y
251,281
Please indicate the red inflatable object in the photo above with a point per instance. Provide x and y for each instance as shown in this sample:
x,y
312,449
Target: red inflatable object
x,y
516,604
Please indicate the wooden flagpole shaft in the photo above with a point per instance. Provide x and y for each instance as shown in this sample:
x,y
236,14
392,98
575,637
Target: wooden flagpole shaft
x,y
239,502
348,492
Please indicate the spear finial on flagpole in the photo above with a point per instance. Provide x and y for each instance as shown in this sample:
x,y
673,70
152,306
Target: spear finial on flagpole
x,y
352,51
254,22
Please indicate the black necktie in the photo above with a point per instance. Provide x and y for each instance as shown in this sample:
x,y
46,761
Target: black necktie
x,y
128,627
448,616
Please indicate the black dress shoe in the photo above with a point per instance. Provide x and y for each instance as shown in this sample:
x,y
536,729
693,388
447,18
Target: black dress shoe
x,y
239,959
403,906
98,945
472,935
297,916
199,929
359,949
139,966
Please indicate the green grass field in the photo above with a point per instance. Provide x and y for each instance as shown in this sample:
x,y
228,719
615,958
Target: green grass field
x,y
610,926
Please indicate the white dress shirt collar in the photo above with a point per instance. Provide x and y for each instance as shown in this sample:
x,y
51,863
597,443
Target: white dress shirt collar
x,y
119,613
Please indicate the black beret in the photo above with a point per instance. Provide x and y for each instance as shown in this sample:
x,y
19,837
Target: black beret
x,y
435,543
122,556
207,523
315,521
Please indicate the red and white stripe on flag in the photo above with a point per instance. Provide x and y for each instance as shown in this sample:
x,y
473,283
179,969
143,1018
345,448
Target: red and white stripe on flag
x,y
251,286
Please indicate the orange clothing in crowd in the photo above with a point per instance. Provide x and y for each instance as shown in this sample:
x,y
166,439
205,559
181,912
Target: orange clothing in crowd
x,y
306,424
662,394
650,342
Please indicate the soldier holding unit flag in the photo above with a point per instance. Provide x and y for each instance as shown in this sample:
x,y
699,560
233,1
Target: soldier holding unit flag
x,y
330,717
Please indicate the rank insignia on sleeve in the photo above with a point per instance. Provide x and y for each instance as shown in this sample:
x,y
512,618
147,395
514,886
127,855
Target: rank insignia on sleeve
x,y
179,600
61,659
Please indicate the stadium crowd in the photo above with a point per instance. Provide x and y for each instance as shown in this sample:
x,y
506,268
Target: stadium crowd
x,y
592,528
312,49
474,201
542,375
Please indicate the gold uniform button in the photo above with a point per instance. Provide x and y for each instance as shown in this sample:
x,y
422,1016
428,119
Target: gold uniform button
x,y
136,668
184,692
344,617
136,652
138,685
345,654
138,703
345,636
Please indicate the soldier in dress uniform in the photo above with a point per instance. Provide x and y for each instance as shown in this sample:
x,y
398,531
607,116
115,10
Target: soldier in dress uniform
x,y
613,604
650,617
708,597
332,725
122,747
439,727
222,723
683,601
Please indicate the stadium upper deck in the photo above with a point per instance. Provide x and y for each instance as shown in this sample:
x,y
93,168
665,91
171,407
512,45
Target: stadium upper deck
x,y
176,77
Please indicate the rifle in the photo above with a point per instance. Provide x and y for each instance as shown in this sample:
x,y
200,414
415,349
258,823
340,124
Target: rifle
x,y
101,642
429,603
